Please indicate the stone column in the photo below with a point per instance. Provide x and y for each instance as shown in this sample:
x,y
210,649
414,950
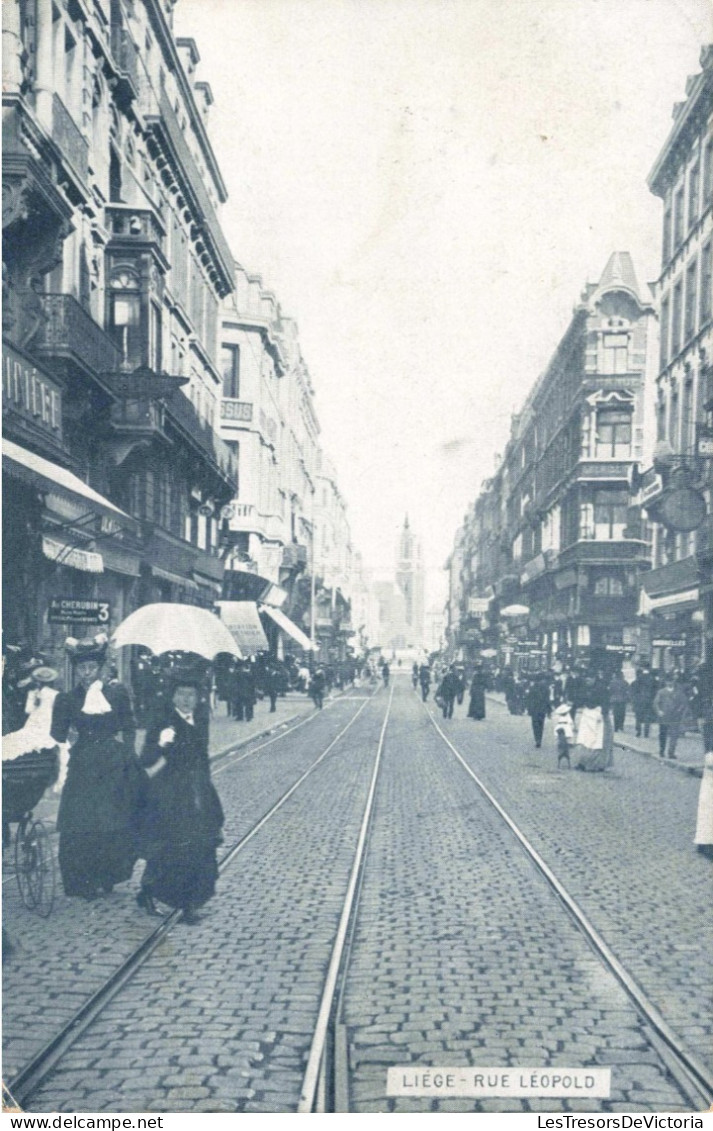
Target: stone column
x,y
12,75
44,68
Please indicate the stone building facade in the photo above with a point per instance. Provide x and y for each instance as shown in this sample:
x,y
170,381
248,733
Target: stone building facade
x,y
555,530
114,267
677,603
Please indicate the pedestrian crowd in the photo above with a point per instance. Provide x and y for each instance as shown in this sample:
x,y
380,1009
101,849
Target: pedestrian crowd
x,y
119,805
587,707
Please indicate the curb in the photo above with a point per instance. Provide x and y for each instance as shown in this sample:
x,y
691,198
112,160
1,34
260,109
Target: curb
x,y
681,767
252,737
691,771
224,750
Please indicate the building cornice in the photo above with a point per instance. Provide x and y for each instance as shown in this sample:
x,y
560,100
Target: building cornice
x,y
689,118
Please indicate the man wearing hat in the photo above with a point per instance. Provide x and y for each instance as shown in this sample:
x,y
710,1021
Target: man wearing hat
x,y
182,815
98,807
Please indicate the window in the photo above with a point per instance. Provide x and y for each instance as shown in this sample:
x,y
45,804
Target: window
x,y
708,176
230,370
613,437
608,587
687,417
676,319
705,289
114,177
610,509
673,420
691,301
678,219
155,337
693,187
615,353
665,309
125,317
666,243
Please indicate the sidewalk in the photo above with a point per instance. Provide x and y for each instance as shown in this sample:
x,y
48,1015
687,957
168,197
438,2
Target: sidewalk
x,y
227,733
689,751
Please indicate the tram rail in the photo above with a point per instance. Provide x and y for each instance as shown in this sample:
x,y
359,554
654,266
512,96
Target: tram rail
x,y
325,1085
29,1078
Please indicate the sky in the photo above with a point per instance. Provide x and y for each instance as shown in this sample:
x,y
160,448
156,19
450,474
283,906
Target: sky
x,y
426,186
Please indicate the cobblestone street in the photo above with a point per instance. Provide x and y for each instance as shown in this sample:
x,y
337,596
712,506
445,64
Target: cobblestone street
x,y
462,954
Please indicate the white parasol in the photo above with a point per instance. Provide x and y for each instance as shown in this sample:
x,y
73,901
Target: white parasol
x,y
488,653
168,627
514,611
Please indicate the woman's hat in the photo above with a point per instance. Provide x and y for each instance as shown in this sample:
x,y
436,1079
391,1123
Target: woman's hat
x,y
44,675
93,649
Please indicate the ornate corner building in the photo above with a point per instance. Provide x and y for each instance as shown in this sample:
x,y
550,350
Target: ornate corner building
x,y
556,531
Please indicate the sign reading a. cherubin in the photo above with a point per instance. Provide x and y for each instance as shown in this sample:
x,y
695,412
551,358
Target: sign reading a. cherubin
x,y
71,610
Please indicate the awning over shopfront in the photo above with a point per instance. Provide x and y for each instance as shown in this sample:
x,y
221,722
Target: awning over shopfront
x,y
88,561
242,620
174,578
676,602
290,628
47,476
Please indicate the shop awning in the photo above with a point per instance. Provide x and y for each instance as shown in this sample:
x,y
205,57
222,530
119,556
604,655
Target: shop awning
x,y
290,628
174,578
47,476
242,621
73,556
673,602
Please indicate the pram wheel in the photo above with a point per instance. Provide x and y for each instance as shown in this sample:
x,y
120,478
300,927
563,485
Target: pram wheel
x,y
34,866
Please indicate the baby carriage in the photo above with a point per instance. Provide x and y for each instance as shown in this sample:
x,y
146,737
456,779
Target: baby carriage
x,y
24,780
564,732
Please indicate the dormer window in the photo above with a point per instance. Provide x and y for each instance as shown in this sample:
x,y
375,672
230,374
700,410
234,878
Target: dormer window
x,y
615,353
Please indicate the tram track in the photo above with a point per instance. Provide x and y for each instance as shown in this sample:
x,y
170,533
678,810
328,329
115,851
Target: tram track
x,y
25,1082
326,1083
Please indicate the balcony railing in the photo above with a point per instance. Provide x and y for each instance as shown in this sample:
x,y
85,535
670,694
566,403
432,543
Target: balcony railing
x,y
200,433
70,140
126,57
137,224
138,417
70,332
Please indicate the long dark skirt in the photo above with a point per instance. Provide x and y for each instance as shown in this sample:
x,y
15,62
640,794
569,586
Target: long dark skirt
x,y
476,707
90,862
182,875
97,845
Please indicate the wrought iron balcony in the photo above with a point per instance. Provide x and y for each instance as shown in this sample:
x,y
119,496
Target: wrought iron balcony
x,y
70,140
138,225
201,435
138,417
71,333
126,58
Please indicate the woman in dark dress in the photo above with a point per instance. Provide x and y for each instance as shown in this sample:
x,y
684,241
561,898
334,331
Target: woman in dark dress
x,y
182,815
97,848
476,707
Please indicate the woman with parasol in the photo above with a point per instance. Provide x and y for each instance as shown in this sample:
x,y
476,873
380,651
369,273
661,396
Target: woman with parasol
x,y
181,816
96,812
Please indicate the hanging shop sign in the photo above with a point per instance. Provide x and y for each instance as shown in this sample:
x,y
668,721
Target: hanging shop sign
x,y
661,642
70,610
683,509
